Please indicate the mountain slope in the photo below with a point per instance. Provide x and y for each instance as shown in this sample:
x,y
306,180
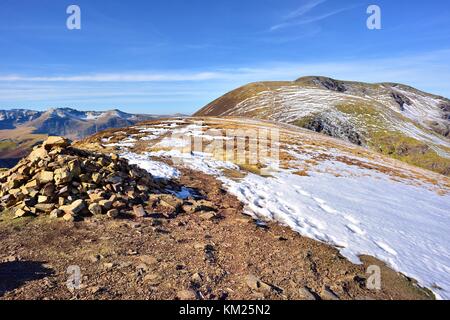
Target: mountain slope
x,y
68,122
356,200
173,234
393,119
22,129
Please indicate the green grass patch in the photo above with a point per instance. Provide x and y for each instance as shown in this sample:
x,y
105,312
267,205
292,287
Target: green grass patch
x,y
409,150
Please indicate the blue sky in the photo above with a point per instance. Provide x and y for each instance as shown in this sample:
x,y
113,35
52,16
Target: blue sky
x,y
176,55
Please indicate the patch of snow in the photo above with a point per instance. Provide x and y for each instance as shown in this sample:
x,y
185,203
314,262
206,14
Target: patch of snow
x,y
157,169
120,144
360,211
150,137
197,161
92,116
155,131
363,214
172,143
127,143
184,193
403,225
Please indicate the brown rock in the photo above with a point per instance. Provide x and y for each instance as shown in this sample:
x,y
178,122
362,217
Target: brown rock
x,y
8,200
328,294
68,217
109,265
48,190
56,150
96,196
19,213
45,177
153,279
36,154
187,295
94,258
15,192
197,278
32,193
88,186
132,194
114,179
61,201
43,199
256,284
106,204
306,294
62,176
199,246
95,209
74,168
45,207
142,188
25,191
114,213
75,207
204,205
119,205
188,208
64,190
228,212
55,142
207,216
148,260
96,177
56,214
139,211
170,201
31,184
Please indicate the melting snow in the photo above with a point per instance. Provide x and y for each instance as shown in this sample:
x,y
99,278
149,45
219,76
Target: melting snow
x,y
403,225
362,213
155,168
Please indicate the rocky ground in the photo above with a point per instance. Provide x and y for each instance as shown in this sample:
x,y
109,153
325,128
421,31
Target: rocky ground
x,y
160,247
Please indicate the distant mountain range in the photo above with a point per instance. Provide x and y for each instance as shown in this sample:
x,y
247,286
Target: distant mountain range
x,y
21,129
394,119
68,122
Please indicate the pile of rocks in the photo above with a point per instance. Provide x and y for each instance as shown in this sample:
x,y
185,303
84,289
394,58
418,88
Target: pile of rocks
x,y
65,182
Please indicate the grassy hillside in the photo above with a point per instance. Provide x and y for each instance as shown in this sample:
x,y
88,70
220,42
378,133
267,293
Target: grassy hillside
x,y
393,119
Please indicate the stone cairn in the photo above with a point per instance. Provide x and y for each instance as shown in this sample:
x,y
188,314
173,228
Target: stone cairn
x,y
64,182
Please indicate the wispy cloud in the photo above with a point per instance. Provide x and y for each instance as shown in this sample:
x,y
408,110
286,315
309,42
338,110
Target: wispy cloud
x,y
309,20
188,91
304,9
296,17
400,68
118,77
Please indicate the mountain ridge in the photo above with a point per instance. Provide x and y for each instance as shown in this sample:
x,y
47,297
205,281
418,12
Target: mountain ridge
x,y
394,119
22,129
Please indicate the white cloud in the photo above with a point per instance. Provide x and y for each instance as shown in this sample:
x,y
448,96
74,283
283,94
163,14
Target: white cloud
x,y
428,71
304,9
309,20
118,77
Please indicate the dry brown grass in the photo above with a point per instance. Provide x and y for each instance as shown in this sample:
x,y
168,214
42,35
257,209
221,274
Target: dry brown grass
x,y
318,148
